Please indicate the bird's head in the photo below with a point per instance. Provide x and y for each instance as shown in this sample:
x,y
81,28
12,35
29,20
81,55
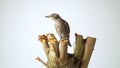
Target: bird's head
x,y
53,16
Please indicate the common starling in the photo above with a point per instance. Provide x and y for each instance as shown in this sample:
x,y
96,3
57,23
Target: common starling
x,y
61,26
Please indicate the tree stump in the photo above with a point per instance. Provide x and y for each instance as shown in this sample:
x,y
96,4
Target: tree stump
x,y
57,55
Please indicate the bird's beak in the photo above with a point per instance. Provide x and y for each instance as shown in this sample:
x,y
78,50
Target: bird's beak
x,y
47,16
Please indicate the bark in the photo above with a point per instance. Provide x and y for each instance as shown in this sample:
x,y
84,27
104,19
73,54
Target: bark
x,y
57,55
79,47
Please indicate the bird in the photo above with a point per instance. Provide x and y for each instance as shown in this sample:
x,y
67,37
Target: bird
x,y
61,26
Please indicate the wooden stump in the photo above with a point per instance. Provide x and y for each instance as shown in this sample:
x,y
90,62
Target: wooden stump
x,y
57,55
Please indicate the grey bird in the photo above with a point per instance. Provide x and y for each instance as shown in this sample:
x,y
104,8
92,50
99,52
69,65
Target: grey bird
x,y
61,26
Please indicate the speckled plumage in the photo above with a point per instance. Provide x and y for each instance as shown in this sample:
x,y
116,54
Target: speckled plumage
x,y
61,26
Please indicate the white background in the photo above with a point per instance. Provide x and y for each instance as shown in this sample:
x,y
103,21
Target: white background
x,y
21,21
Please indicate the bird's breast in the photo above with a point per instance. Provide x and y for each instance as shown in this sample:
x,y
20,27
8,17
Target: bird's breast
x,y
58,28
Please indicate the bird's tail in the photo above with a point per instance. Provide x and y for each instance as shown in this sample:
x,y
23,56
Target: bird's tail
x,y
69,44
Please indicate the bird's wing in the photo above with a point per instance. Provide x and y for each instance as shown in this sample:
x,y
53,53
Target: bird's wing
x,y
67,27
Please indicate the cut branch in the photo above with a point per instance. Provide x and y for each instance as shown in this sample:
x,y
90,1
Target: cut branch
x,y
63,50
53,52
44,41
53,44
40,60
89,47
79,49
